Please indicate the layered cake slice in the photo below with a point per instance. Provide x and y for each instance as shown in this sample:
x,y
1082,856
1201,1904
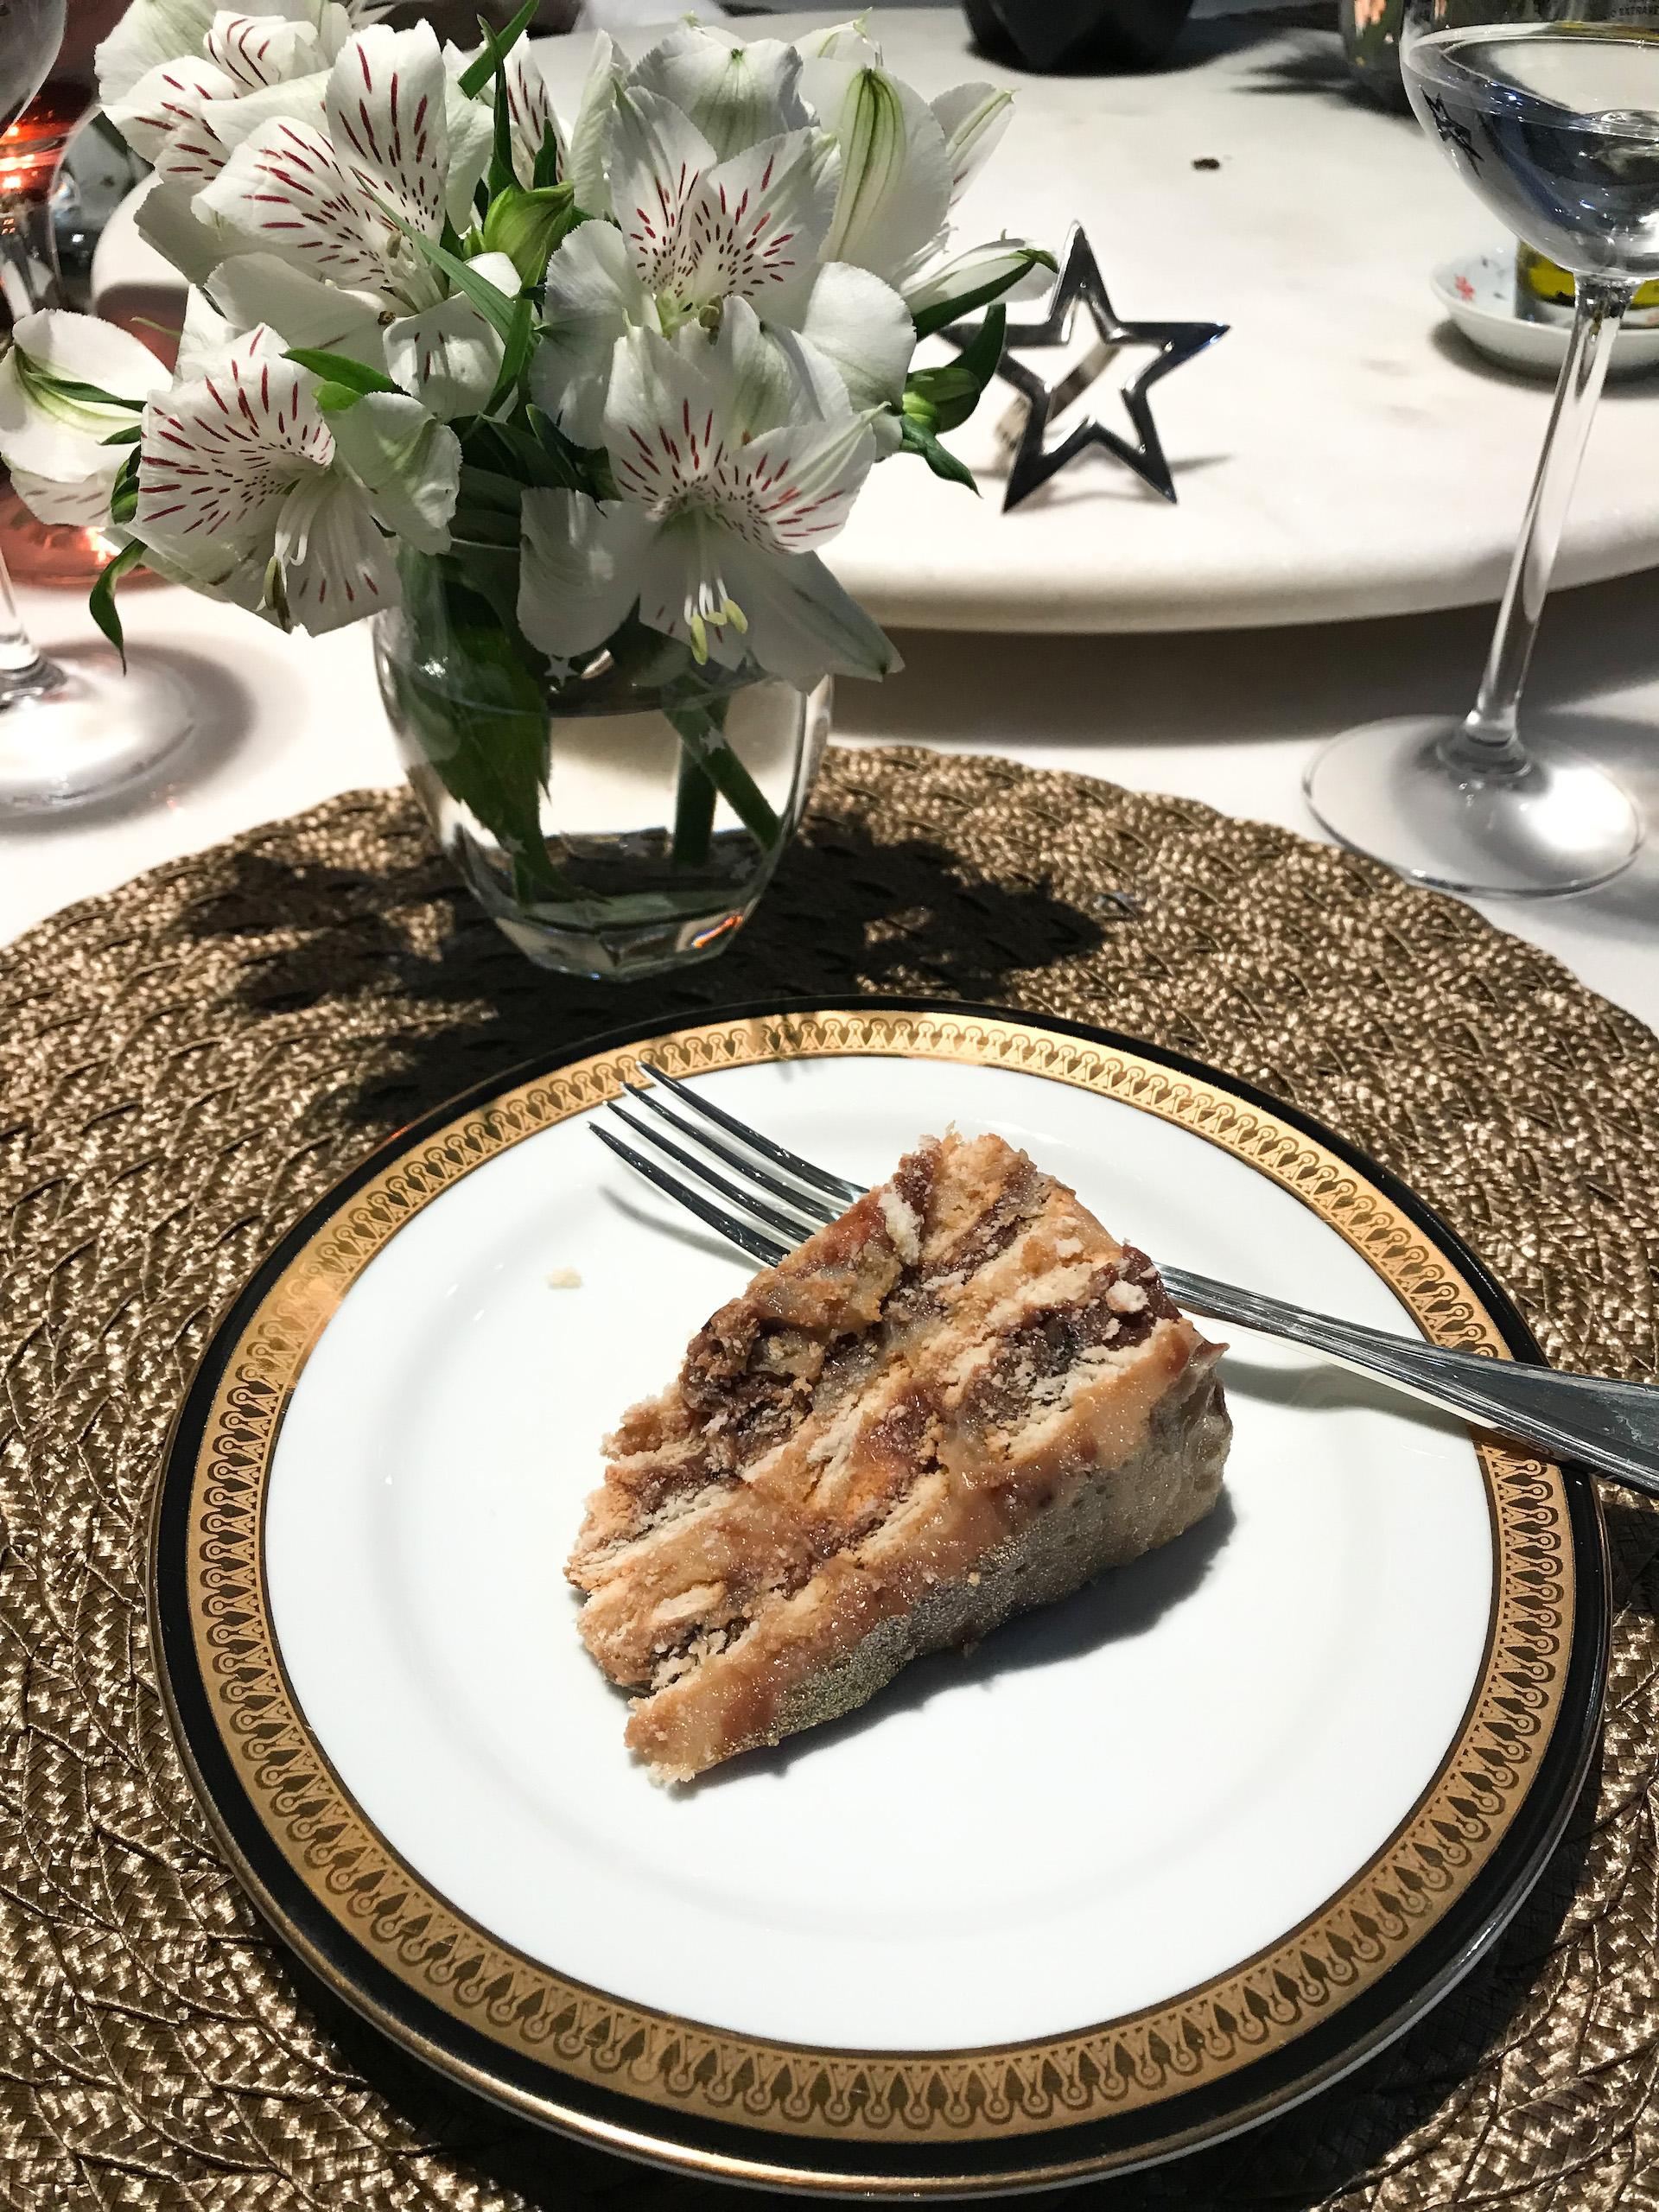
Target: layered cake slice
x,y
961,1400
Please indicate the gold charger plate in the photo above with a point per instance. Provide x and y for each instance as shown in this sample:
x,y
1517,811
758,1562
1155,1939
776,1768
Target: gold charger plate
x,y
661,2084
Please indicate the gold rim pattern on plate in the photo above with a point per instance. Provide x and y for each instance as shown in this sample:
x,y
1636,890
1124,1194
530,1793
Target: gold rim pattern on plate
x,y
925,2097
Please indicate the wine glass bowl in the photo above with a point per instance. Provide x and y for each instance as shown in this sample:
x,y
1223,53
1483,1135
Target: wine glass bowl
x,y
1555,124
31,34
1556,128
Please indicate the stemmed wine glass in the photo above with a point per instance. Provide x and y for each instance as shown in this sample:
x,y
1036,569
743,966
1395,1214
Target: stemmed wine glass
x,y
72,727
1554,123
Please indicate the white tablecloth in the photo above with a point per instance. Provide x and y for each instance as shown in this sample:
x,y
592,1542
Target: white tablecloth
x,y
1231,718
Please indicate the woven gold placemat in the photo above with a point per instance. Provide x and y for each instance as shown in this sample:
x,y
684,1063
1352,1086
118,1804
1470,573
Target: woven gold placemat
x,y
188,1062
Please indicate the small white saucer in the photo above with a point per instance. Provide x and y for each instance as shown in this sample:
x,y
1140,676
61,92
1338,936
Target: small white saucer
x,y
1478,291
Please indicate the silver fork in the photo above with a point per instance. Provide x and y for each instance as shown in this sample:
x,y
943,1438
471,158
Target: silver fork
x,y
1612,1426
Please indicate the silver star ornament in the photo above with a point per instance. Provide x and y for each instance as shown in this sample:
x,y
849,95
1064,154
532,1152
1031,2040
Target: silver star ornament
x,y
1080,283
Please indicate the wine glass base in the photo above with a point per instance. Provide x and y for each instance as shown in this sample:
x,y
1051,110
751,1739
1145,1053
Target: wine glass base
x,y
1561,825
93,732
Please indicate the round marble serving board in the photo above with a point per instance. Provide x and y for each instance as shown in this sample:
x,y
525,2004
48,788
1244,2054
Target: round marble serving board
x,y
1342,452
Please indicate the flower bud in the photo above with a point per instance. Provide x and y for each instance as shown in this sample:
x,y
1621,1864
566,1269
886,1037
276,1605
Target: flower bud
x,y
527,225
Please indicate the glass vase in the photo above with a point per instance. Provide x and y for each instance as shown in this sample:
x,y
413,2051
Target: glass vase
x,y
616,820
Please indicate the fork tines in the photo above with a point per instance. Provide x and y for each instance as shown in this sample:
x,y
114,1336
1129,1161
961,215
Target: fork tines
x,y
836,1185
764,1248
801,1212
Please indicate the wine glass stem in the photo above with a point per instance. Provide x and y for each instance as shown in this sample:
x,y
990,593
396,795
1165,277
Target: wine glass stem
x,y
25,672
1487,742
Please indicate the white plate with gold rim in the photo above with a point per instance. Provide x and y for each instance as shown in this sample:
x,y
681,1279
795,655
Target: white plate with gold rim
x,y
1142,1867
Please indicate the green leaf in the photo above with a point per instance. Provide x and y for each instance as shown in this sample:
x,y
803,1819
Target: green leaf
x,y
943,398
598,464
553,442
528,225
982,358
492,571
515,356
101,599
490,301
485,731
487,511
527,458
124,493
93,395
129,436
916,439
335,398
546,171
340,369
480,70
935,318
482,486
501,175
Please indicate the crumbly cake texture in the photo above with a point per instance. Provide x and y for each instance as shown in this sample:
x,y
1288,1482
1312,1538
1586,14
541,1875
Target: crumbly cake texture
x,y
961,1400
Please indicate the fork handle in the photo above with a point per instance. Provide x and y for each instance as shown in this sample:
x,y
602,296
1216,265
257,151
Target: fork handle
x,y
1612,1426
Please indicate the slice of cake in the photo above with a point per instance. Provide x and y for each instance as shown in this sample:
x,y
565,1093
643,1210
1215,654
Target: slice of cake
x,y
961,1400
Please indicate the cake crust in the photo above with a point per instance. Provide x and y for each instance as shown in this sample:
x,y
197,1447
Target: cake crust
x,y
962,1399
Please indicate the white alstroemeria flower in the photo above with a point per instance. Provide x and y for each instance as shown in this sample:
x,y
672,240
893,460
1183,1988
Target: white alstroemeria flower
x,y
246,491
593,298
164,109
195,154
863,328
172,216
694,232
736,93
250,289
186,114
206,334
585,169
149,34
294,38
314,197
996,262
184,117
530,114
895,177
904,162
195,244
728,486
448,356
699,230
53,441
973,118
849,42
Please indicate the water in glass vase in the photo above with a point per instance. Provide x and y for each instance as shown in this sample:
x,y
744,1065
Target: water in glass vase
x,y
613,824
1557,128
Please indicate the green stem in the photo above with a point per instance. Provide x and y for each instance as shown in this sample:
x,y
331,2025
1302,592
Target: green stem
x,y
708,747
694,813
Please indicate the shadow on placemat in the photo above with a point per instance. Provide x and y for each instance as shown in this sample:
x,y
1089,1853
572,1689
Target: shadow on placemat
x,y
843,915
190,1061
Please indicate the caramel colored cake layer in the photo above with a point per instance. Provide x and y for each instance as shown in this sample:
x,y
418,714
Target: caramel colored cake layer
x,y
961,1400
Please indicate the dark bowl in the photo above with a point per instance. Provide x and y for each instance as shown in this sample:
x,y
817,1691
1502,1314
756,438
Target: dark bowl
x,y
1077,34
